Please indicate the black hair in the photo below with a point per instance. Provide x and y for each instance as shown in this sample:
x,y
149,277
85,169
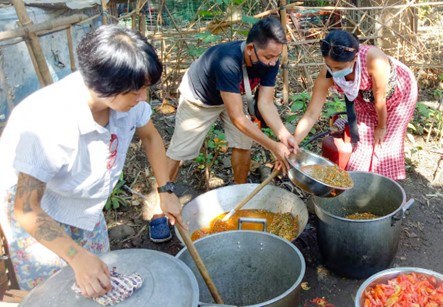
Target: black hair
x,y
339,38
265,30
115,60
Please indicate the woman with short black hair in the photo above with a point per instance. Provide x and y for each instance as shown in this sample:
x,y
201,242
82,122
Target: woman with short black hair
x,y
62,152
383,92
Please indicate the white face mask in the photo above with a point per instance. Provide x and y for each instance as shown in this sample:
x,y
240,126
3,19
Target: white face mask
x,y
341,73
350,88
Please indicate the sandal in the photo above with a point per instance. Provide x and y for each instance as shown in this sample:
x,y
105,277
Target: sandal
x,y
159,230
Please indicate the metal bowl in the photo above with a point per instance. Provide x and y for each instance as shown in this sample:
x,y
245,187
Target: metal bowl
x,y
309,184
384,276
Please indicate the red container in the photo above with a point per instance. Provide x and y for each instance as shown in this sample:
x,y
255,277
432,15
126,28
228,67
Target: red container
x,y
337,146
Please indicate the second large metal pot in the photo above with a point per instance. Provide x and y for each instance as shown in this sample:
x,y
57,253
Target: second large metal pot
x,y
360,248
200,211
249,268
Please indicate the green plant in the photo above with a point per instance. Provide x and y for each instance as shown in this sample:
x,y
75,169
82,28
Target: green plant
x,y
117,197
334,106
268,132
415,150
421,119
215,143
298,105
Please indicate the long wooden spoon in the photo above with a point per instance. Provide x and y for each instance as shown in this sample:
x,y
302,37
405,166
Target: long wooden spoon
x,y
199,262
250,196
194,254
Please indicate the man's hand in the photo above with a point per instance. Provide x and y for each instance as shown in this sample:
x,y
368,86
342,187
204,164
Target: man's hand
x,y
379,135
91,274
172,208
290,142
280,151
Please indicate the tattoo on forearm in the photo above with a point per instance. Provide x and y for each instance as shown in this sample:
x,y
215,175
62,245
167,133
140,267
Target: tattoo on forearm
x,y
48,229
72,251
30,190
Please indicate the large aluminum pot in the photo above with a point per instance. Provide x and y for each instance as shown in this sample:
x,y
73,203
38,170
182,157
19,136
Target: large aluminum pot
x,y
167,282
384,276
200,211
249,268
360,248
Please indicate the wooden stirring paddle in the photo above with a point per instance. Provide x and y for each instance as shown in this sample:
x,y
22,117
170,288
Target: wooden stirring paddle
x,y
250,196
199,263
194,254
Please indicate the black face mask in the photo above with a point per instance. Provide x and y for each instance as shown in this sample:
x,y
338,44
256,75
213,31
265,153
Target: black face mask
x,y
258,65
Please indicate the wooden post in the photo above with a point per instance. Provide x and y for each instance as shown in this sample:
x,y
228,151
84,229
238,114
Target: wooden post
x,y
35,50
142,28
70,48
142,19
104,12
134,16
284,60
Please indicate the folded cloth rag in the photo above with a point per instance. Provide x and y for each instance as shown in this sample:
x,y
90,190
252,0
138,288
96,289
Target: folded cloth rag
x,y
123,286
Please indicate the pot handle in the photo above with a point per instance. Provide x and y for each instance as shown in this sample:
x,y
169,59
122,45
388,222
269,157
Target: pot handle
x,y
252,220
408,205
405,208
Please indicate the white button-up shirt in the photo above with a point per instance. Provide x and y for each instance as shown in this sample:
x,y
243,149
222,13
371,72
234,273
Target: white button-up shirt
x,y
52,136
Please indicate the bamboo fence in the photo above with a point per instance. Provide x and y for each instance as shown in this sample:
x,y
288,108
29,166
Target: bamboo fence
x,y
408,30
401,28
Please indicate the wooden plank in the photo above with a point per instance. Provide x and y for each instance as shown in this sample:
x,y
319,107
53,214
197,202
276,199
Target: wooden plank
x,y
105,12
44,26
35,50
70,48
284,60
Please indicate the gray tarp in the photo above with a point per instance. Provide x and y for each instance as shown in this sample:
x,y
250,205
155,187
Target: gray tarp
x,y
17,75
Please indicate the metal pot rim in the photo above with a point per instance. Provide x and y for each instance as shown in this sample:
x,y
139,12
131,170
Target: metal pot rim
x,y
301,211
370,220
396,271
296,284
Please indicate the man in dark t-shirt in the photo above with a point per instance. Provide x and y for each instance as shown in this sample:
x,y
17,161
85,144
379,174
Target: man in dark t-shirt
x,y
212,88
220,69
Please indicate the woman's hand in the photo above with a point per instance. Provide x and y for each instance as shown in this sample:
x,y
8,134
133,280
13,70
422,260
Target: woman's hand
x,y
379,135
91,274
172,208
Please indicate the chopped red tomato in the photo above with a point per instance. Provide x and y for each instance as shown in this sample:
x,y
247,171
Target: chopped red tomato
x,y
406,290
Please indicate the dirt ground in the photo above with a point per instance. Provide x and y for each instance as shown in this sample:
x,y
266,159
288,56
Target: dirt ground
x,y
421,239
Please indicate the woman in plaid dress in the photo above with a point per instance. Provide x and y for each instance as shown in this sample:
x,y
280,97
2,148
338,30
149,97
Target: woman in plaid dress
x,y
384,93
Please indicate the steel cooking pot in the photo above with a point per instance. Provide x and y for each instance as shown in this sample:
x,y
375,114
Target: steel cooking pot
x,y
249,268
306,182
200,211
384,276
360,248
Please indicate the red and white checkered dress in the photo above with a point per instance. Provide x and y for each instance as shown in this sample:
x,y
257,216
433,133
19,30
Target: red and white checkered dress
x,y
388,159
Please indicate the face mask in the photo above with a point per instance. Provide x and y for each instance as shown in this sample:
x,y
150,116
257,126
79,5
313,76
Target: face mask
x,y
341,73
258,65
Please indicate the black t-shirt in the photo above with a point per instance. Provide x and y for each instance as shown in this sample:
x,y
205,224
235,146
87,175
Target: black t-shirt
x,y
220,69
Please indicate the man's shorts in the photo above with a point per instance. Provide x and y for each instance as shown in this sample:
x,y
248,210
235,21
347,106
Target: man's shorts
x,y
193,121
